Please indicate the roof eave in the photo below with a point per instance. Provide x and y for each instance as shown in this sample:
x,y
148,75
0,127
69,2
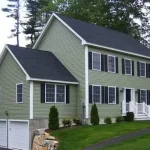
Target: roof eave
x,y
116,50
53,81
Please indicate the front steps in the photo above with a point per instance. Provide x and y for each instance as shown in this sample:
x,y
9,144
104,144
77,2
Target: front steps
x,y
142,117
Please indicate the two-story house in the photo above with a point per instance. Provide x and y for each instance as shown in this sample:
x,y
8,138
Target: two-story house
x,y
72,64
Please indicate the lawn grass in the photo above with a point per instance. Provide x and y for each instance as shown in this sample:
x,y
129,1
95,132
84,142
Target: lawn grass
x,y
78,138
140,143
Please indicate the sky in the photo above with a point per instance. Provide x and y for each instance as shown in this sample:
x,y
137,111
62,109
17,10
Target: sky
x,y
6,25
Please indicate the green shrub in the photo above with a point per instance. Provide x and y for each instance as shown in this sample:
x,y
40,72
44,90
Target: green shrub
x,y
53,118
66,122
78,122
129,116
107,120
119,119
94,115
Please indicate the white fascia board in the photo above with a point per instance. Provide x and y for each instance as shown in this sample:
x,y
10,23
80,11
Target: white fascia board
x,y
48,24
53,81
116,50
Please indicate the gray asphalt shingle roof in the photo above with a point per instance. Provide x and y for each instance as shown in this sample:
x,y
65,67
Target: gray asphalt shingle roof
x,y
41,64
106,37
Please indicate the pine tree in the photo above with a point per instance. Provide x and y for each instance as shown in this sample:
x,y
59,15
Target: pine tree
x,y
53,118
94,115
13,10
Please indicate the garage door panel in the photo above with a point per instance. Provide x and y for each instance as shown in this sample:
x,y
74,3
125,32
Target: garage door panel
x,y
3,134
18,135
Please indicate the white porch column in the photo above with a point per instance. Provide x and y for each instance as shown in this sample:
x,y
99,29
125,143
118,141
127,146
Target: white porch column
x,y
31,99
123,107
86,84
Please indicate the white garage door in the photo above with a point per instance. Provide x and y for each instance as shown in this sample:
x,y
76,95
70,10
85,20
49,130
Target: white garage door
x,y
18,135
3,133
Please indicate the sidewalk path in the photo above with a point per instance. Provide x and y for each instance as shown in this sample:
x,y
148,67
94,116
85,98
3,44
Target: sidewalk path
x,y
118,139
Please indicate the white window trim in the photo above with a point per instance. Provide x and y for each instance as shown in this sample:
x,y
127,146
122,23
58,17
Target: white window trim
x,y
115,95
140,68
100,94
22,92
114,63
100,61
140,94
55,101
130,65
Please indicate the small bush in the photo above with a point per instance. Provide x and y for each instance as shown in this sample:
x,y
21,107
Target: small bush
x,y
129,116
66,122
78,122
119,119
53,118
94,115
107,120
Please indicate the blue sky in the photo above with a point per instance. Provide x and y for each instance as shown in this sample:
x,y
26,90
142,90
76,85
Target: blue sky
x,y
5,26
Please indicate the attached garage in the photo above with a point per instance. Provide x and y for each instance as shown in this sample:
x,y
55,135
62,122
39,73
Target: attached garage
x,y
18,135
3,133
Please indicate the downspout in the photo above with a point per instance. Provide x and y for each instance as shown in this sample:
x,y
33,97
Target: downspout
x,y
86,84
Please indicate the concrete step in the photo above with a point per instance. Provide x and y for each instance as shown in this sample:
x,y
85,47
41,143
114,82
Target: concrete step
x,y
138,119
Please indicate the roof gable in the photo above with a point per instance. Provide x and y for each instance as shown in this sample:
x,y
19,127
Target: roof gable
x,y
91,34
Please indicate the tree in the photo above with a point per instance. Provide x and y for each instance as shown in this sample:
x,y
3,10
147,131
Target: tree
x,y
13,10
94,115
53,118
120,15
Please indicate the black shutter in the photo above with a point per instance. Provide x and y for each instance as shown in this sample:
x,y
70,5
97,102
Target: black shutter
x,y
103,94
138,69
116,64
90,60
106,67
148,97
102,62
117,95
147,70
106,95
139,97
67,94
90,93
123,67
42,92
132,68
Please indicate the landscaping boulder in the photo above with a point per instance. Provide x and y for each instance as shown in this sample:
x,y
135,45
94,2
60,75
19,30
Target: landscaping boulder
x,y
44,141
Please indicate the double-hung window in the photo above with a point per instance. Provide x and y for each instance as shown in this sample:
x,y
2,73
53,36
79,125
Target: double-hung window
x,y
128,66
111,64
55,93
96,94
143,96
112,95
96,61
142,69
19,93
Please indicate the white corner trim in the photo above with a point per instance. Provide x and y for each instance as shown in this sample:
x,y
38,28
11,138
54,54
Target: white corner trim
x,y
86,84
31,99
53,81
3,54
48,24
116,50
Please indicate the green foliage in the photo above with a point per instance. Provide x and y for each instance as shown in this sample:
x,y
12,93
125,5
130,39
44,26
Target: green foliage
x,y
94,115
129,116
53,118
78,122
107,120
66,122
119,119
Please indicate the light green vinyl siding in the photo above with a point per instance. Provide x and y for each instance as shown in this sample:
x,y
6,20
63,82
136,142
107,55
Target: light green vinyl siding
x,y
10,74
118,80
68,49
41,110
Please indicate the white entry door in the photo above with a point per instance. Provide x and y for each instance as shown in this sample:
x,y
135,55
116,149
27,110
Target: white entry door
x,y
18,135
3,133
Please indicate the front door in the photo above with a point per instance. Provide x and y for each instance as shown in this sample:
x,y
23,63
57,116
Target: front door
x,y
128,95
